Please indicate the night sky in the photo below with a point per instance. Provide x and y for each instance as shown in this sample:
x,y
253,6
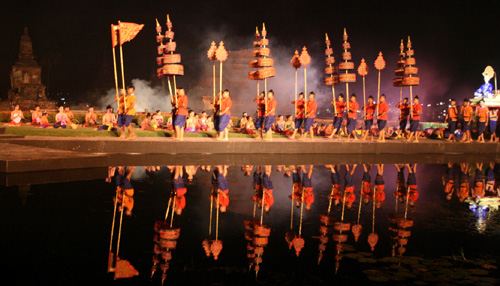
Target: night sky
x,y
453,41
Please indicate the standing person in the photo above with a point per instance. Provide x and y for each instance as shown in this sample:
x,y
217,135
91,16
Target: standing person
x,y
126,112
382,110
452,117
415,119
307,191
310,115
466,112
224,116
338,116
350,197
219,177
411,184
403,117
352,118
267,193
299,114
261,110
269,116
181,113
493,116
379,186
366,190
369,111
482,114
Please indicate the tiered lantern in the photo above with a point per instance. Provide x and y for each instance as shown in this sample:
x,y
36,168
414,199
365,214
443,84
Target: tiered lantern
x,y
400,68
393,229
346,65
249,237
363,71
165,240
263,62
410,79
331,70
259,241
325,229
379,65
340,236
168,62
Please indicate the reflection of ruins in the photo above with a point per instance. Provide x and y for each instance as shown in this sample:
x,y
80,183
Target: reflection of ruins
x,y
27,89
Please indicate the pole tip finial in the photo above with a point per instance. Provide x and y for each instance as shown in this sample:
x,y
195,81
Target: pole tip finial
x,y
256,30
345,33
263,26
157,24
326,35
409,39
168,18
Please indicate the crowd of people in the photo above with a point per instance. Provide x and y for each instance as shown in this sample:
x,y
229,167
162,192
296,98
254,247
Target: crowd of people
x,y
303,122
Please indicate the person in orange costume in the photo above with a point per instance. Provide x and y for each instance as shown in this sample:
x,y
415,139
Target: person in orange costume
x,y
379,186
400,183
224,116
415,120
338,116
261,111
267,189
463,192
297,186
479,183
310,115
180,114
350,197
299,115
466,112
307,186
412,184
382,110
125,189
403,118
336,193
482,114
366,190
219,178
269,115
179,190
352,118
369,111
449,181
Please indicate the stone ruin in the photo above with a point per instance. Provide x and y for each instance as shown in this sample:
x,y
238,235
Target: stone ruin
x,y
27,89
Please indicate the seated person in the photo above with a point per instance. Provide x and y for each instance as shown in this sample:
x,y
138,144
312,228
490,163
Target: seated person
x,y
61,119
249,126
44,121
203,121
279,126
146,122
90,118
289,126
191,123
321,129
15,116
36,115
243,121
69,115
108,120
158,118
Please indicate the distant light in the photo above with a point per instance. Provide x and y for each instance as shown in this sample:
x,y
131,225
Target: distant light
x,y
428,105
62,98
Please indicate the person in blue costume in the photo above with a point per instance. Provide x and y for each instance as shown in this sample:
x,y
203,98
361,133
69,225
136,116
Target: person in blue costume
x,y
486,90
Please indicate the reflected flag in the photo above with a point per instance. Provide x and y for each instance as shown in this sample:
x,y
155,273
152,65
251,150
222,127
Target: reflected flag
x,y
124,269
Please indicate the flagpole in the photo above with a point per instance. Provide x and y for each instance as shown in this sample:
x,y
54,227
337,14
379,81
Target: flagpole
x,y
122,69
114,63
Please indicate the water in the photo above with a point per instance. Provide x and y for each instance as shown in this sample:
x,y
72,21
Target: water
x,y
60,232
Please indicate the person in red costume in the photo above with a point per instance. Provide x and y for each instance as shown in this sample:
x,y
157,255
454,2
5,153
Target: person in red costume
x,y
350,197
412,184
379,186
366,190
415,120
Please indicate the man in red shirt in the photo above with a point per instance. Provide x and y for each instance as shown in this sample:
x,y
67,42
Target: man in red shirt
x,y
180,114
299,114
269,116
224,116
382,110
261,110
352,118
415,119
310,115
339,115
403,117
369,111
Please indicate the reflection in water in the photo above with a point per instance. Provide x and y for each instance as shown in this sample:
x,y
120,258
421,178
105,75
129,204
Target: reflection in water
x,y
123,202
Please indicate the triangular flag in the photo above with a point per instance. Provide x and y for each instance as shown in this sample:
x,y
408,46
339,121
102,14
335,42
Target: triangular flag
x,y
128,31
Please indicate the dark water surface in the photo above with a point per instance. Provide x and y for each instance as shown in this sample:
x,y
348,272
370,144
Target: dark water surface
x,y
59,233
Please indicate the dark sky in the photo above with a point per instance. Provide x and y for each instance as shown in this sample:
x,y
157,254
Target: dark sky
x,y
453,41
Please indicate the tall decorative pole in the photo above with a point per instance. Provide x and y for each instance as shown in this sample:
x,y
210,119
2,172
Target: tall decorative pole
x,y
221,55
211,54
410,73
347,65
399,72
363,71
295,62
379,65
171,61
263,63
305,59
257,44
331,71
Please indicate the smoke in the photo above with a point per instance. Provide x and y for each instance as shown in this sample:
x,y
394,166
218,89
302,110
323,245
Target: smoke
x,y
148,97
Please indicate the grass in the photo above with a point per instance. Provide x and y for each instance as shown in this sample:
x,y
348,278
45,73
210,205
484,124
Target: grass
x,y
28,130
